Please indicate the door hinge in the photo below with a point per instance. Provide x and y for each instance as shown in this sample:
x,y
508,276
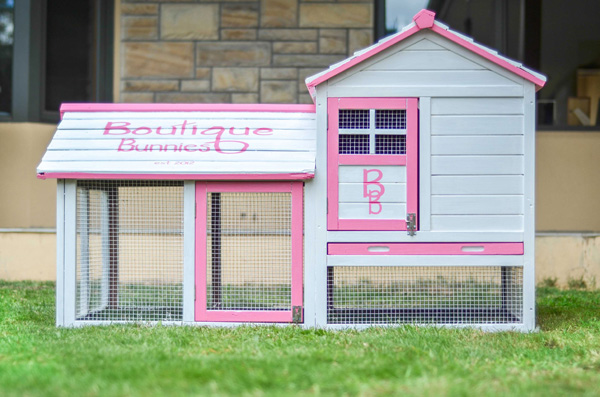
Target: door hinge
x,y
296,314
328,205
411,224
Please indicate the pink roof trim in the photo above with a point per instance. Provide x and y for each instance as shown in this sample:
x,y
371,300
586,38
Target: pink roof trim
x,y
425,19
184,107
173,176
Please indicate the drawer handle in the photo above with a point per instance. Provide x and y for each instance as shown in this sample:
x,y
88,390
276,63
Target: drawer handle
x,y
378,248
472,248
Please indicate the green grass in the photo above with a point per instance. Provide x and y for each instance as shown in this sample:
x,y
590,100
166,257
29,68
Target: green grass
x,y
37,359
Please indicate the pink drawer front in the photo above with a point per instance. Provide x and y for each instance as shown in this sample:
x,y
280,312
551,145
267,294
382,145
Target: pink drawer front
x,y
425,249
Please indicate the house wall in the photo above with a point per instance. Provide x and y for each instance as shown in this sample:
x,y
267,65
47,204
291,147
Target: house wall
x,y
258,51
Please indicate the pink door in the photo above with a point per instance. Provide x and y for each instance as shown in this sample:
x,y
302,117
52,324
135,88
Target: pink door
x,y
249,251
372,163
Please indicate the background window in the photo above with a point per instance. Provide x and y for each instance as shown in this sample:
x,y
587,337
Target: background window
x,y
558,38
6,54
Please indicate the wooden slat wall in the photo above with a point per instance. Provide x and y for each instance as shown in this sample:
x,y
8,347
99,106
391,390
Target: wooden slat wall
x,y
353,204
477,122
477,164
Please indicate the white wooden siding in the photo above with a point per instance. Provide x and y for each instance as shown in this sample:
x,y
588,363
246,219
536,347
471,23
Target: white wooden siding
x,y
183,143
361,211
477,164
353,193
428,65
354,173
354,205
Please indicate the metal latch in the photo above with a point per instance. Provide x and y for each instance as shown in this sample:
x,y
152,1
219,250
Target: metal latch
x,y
296,314
411,224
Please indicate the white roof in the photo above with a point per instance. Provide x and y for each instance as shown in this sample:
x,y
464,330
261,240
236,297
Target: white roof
x,y
175,144
424,19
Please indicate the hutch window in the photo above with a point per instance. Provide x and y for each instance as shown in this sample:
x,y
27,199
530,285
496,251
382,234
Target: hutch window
x,y
372,163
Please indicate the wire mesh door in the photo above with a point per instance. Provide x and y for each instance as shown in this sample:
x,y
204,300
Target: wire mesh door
x,y
249,251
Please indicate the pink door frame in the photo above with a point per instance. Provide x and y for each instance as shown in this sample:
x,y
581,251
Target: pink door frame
x,y
202,314
334,159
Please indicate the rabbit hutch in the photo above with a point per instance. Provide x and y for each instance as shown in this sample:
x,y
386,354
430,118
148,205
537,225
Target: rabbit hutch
x,y
405,194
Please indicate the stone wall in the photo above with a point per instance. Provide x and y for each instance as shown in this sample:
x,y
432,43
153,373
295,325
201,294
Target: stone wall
x,y
234,51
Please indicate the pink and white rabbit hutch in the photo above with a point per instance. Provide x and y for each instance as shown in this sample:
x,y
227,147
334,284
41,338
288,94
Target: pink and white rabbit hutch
x,y
405,194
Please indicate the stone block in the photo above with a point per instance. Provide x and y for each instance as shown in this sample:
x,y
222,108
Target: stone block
x,y
139,9
239,15
235,79
279,13
279,73
305,99
139,28
332,41
233,54
287,34
278,92
306,72
158,59
195,85
137,97
244,98
238,34
150,85
203,73
359,39
299,47
188,97
306,60
189,22
336,15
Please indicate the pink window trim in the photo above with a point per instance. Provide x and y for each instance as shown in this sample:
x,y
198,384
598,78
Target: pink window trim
x,y
371,159
184,107
334,159
201,312
425,249
195,177
367,224
372,103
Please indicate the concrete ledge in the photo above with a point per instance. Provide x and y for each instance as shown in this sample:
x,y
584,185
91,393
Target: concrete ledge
x,y
30,254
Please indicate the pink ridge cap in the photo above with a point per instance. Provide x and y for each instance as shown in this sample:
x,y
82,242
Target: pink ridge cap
x,y
424,19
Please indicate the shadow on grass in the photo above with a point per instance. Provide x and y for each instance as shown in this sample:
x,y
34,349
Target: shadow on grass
x,y
563,309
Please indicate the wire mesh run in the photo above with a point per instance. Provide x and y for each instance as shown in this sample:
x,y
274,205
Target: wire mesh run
x,y
354,119
390,144
390,119
424,294
354,144
129,250
249,258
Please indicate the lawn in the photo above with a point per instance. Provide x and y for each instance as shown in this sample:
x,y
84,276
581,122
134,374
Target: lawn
x,y
38,359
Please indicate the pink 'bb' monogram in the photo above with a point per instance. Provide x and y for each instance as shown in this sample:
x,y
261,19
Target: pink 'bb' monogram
x,y
373,190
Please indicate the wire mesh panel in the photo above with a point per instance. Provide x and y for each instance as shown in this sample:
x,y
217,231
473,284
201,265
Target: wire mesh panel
x,y
390,119
424,294
129,250
354,119
390,144
354,144
249,251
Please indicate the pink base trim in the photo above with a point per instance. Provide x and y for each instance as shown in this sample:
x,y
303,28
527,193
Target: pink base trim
x,y
425,249
184,107
195,177
369,224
